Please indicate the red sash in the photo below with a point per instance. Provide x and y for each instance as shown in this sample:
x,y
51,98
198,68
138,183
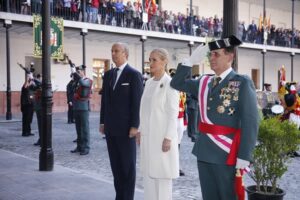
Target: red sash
x,y
225,130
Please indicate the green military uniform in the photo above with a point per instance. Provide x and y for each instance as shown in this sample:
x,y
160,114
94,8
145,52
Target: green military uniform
x,y
233,104
37,102
192,113
81,113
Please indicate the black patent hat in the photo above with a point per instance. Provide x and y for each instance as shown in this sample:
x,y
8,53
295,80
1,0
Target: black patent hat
x,y
80,67
228,42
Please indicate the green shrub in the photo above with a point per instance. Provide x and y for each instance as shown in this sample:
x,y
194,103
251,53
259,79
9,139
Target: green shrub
x,y
276,139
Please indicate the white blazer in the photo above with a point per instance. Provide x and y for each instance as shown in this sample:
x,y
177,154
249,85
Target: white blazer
x,y
164,108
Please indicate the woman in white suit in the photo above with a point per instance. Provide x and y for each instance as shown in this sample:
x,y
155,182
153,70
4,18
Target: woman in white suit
x,y
158,137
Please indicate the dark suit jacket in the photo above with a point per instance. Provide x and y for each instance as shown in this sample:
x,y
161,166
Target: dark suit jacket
x,y
120,107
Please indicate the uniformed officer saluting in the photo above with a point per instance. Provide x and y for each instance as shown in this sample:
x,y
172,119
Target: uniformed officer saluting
x,y
228,123
81,109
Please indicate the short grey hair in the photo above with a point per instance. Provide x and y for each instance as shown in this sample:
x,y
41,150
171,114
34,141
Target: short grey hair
x,y
124,46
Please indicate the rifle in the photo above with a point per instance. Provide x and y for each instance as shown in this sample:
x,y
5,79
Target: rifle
x,y
24,68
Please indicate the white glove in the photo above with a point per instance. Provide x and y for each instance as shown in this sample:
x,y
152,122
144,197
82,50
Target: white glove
x,y
197,56
30,76
242,164
73,69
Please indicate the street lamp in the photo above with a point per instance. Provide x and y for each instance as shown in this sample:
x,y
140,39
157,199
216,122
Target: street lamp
x,y
264,51
143,39
46,152
292,65
83,33
8,24
190,45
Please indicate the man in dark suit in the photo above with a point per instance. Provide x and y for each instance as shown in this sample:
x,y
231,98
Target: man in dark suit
x,y
119,119
228,122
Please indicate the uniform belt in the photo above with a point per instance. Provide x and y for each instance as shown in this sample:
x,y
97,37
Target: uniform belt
x,y
224,130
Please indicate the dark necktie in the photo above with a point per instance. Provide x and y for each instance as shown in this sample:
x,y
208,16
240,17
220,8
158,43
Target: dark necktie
x,y
216,81
114,76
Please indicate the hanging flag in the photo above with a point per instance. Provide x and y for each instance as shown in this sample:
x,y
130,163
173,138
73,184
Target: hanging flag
x,y
269,22
154,6
56,36
146,9
260,21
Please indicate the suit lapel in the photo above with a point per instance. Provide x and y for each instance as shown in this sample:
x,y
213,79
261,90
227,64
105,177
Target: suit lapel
x,y
122,77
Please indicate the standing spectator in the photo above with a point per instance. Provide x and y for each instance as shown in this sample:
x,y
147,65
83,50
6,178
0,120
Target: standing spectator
x,y
252,31
81,110
228,131
119,119
25,7
36,6
102,11
129,14
94,10
192,112
136,15
75,5
241,31
119,8
70,95
158,137
37,88
67,9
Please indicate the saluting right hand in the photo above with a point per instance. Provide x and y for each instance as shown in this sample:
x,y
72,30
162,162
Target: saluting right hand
x,y
197,56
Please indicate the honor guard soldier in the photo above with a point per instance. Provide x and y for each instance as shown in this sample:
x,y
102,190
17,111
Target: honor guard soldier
x,y
70,94
37,88
27,106
228,122
268,100
81,109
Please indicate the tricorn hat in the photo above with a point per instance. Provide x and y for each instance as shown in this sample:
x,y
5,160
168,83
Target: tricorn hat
x,y
228,42
80,67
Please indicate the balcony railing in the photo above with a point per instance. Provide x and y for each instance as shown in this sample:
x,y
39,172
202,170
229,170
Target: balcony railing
x,y
130,16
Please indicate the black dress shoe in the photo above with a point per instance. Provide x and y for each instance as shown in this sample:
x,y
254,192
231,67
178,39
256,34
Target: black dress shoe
x,y
296,154
84,153
27,134
181,173
38,143
193,139
75,140
76,150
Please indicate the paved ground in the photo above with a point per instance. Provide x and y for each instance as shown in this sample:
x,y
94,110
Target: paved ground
x,y
93,169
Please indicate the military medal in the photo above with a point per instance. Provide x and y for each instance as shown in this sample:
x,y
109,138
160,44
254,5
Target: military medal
x,y
221,109
235,98
226,102
231,111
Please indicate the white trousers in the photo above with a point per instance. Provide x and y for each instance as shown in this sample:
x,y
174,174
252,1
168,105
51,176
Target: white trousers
x,y
180,129
157,189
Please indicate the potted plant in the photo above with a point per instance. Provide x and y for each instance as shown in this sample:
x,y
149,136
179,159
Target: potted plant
x,y
276,139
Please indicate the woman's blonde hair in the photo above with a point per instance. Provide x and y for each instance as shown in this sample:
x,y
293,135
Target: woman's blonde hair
x,y
163,55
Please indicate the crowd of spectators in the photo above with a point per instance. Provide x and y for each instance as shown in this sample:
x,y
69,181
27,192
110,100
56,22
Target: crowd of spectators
x,y
130,14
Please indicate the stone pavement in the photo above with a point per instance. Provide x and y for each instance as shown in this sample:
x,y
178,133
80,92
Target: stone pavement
x,y
93,170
